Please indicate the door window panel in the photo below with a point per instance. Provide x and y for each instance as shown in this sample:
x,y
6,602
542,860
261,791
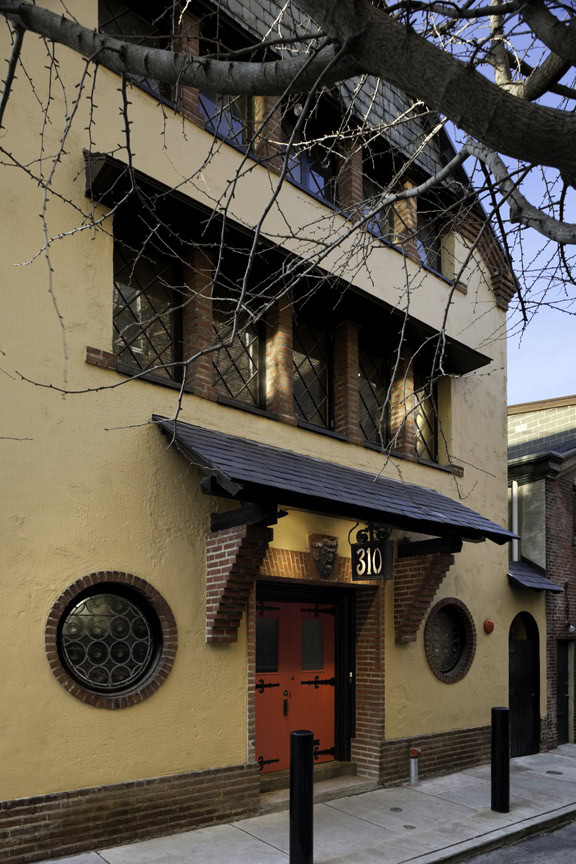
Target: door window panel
x,y
266,645
312,644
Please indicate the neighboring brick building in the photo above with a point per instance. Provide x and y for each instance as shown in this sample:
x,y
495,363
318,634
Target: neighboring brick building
x,y
542,475
177,598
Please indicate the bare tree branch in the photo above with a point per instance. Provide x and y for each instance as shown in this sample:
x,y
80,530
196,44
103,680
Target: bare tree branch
x,y
14,57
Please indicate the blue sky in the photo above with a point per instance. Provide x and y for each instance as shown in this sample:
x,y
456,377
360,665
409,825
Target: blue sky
x,y
543,363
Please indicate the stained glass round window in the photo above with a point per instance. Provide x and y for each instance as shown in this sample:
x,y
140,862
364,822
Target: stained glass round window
x,y
450,640
108,642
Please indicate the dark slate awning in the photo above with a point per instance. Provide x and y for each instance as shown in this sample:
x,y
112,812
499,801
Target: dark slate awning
x,y
251,471
525,574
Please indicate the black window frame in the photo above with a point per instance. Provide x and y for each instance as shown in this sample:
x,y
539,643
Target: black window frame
x,y
126,356
259,329
314,159
428,384
162,31
299,321
430,231
367,347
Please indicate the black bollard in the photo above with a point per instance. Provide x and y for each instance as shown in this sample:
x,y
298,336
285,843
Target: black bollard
x,y
501,760
301,797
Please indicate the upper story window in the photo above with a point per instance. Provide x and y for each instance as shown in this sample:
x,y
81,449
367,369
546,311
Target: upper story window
x,y
146,308
239,366
382,223
425,416
312,159
142,23
229,117
373,383
429,236
312,350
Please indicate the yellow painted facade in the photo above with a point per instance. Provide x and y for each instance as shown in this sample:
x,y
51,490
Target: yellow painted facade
x,y
89,486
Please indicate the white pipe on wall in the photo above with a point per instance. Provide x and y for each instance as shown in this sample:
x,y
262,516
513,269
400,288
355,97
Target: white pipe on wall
x,y
515,526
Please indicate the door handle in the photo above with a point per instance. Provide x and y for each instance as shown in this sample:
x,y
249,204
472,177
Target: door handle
x,y
285,707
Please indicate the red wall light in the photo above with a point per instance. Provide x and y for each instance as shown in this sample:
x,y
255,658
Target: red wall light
x,y
488,625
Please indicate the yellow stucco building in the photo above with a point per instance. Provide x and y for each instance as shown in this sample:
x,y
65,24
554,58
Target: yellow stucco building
x,y
164,583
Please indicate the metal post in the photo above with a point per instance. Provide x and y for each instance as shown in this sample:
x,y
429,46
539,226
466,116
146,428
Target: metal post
x,y
501,760
414,754
301,797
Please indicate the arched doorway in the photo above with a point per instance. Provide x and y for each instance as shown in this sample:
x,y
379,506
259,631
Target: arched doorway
x,y
524,700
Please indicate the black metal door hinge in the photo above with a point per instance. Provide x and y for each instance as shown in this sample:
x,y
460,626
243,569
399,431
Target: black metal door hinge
x,y
261,761
318,681
316,611
261,686
330,751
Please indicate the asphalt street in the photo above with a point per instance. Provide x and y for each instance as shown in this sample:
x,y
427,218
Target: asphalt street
x,y
558,847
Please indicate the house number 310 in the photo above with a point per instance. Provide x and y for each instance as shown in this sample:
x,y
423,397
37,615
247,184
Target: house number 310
x,y
369,562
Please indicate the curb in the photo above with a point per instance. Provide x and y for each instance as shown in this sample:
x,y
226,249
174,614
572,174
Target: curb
x,y
500,837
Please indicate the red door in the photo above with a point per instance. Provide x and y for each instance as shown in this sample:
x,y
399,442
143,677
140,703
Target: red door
x,y
295,681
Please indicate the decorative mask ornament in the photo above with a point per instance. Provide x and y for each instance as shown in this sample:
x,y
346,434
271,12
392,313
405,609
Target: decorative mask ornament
x,y
323,550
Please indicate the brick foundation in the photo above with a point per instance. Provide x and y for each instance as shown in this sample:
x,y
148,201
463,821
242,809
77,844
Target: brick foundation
x,y
67,823
442,753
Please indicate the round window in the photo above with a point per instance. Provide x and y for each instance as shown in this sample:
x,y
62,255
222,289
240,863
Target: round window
x,y
108,642
450,640
111,639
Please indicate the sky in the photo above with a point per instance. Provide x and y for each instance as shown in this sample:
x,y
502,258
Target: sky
x,y
542,360
543,364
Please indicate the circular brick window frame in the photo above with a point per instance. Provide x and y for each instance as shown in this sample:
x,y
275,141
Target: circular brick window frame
x,y
162,663
464,663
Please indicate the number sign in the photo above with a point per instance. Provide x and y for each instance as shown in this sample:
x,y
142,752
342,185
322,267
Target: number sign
x,y
372,555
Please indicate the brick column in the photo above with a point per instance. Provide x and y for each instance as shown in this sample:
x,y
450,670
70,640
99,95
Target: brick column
x,y
402,420
416,582
188,42
233,559
280,363
269,145
406,224
351,179
197,332
346,389
368,741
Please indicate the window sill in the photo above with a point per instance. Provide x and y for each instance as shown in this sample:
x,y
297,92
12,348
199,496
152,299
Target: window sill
x,y
141,375
302,424
457,470
314,195
244,406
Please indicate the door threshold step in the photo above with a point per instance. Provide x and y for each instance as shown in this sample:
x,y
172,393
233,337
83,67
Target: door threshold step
x,y
326,790
274,780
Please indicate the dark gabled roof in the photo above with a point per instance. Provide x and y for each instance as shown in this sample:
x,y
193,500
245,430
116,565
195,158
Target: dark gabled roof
x,y
403,121
525,574
561,443
251,471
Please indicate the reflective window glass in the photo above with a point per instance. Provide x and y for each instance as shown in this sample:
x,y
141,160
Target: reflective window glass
x,y
312,643
266,645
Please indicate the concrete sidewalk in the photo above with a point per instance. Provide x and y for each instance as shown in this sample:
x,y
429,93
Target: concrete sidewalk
x,y
438,820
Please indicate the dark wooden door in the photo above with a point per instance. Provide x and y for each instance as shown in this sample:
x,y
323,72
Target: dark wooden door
x,y
562,692
525,692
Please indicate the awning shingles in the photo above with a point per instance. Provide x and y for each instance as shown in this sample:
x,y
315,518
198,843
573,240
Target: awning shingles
x,y
299,480
526,574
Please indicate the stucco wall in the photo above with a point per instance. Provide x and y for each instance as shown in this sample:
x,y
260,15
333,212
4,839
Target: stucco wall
x,y
90,486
